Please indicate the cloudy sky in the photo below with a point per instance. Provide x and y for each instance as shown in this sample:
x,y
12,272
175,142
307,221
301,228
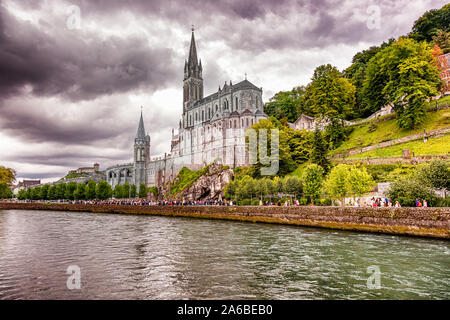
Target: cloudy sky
x,y
74,74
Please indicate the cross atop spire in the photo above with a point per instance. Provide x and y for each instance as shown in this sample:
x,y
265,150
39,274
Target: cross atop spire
x,y
192,28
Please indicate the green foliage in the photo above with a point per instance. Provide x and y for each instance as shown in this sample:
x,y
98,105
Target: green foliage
x,y
52,193
80,192
319,151
70,189
360,181
329,95
5,191
90,190
74,175
407,191
435,175
186,178
7,175
345,180
402,74
356,73
22,195
126,190
133,191
61,191
292,185
286,137
103,190
336,183
286,104
44,192
143,191
117,193
442,40
429,24
313,180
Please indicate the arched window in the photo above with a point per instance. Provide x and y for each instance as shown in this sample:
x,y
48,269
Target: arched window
x,y
237,105
242,124
247,122
196,116
203,115
190,119
225,105
235,123
217,107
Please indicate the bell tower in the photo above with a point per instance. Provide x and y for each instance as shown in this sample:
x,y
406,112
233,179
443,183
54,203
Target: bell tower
x,y
192,81
141,157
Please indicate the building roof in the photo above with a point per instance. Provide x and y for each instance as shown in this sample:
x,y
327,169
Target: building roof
x,y
245,84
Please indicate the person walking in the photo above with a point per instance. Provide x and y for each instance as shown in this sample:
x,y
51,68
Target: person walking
x,y
425,203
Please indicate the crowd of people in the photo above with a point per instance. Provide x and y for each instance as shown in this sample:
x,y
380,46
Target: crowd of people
x,y
374,202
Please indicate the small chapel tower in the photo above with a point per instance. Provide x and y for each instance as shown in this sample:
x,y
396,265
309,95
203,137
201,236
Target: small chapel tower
x,y
141,154
193,81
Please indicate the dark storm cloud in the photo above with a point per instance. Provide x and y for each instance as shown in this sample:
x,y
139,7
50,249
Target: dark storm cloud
x,y
75,65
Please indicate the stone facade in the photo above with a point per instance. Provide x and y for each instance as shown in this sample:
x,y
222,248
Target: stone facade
x,y
211,129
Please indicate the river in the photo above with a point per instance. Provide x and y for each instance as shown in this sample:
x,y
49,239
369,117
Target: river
x,y
151,257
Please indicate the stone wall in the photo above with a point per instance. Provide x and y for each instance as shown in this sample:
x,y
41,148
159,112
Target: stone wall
x,y
424,222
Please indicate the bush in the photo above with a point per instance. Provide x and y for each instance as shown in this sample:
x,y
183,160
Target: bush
x,y
443,202
303,201
326,202
407,191
255,202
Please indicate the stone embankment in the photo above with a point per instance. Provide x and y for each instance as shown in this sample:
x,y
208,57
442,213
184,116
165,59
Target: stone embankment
x,y
424,222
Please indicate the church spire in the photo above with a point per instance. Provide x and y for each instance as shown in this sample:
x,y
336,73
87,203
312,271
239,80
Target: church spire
x,y
193,61
141,131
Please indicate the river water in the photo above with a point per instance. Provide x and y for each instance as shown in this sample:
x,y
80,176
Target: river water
x,y
150,257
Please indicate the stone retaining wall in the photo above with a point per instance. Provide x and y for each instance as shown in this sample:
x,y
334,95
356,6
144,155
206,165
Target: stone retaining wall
x,y
426,222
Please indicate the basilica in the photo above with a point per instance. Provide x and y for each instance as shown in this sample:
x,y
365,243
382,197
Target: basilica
x,y
211,129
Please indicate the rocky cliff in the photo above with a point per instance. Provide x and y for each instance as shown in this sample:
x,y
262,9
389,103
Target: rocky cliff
x,y
203,185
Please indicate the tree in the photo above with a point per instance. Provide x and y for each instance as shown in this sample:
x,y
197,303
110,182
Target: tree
x,y
286,104
329,95
403,74
70,189
292,185
61,191
51,195
230,190
356,73
103,190
7,175
80,192
22,195
90,190
429,24
44,192
313,181
319,151
285,162
407,191
442,40
126,190
118,191
5,191
360,181
142,191
36,193
435,175
337,184
133,191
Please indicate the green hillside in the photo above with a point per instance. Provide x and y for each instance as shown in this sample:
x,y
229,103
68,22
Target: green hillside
x,y
370,134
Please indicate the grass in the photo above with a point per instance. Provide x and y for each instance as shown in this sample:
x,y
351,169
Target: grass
x,y
389,130
434,146
299,171
445,101
186,178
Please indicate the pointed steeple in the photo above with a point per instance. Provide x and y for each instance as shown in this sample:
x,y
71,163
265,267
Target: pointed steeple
x,y
141,131
193,61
